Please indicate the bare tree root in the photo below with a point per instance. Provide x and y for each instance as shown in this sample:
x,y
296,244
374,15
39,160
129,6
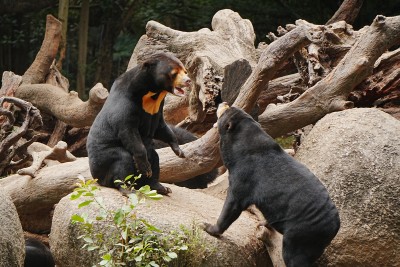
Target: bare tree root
x,y
40,152
9,138
330,93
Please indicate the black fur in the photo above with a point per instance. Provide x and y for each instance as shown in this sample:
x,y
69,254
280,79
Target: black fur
x,y
120,140
198,182
37,254
291,198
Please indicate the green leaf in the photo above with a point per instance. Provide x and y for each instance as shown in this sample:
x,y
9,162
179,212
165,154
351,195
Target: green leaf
x,y
166,258
106,257
144,189
91,248
133,199
104,262
88,194
155,197
139,258
85,203
119,217
75,196
77,218
127,178
183,247
88,240
152,263
172,255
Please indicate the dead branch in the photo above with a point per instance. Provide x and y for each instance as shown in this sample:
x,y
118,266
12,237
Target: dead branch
x,y
330,94
205,54
41,193
40,67
381,87
347,11
9,146
40,152
66,107
10,83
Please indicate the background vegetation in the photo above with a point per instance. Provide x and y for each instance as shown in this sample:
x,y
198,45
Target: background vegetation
x,y
115,27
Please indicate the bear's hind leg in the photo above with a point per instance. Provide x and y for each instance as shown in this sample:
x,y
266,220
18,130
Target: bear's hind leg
x,y
119,170
153,181
301,248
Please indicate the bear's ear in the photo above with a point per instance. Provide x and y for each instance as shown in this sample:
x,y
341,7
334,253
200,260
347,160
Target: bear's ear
x,y
149,64
229,126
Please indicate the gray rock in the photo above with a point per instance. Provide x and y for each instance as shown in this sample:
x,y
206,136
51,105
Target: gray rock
x,y
238,246
12,243
356,154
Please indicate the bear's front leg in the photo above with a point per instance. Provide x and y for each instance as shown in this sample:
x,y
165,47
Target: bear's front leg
x,y
165,134
211,229
230,212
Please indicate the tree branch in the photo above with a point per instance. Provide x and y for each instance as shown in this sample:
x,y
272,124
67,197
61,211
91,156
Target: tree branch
x,y
65,106
347,11
323,97
40,67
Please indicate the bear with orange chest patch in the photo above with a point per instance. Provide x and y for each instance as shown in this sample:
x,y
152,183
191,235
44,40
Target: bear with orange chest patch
x,y
120,141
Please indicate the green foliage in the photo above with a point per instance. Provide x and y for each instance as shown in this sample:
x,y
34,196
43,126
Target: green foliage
x,y
129,241
286,141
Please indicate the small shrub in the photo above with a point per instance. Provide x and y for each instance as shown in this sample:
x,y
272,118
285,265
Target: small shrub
x,y
130,241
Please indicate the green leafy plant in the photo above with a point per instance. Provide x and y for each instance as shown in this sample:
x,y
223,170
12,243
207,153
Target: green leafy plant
x,y
129,240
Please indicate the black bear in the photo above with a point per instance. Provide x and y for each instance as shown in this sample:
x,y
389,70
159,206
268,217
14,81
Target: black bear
x,y
200,181
291,198
120,141
37,254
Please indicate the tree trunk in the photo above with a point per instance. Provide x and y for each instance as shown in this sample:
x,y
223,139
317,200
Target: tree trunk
x,y
348,11
82,47
63,6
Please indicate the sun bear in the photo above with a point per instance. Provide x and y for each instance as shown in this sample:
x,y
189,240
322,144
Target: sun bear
x,y
291,198
37,254
120,141
200,181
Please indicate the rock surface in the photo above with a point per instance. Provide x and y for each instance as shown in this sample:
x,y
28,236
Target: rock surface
x,y
12,243
356,154
238,246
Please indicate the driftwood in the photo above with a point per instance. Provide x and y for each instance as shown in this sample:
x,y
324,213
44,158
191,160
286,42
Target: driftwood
x,y
381,87
35,198
66,106
205,54
40,152
330,93
53,97
336,59
15,143
40,67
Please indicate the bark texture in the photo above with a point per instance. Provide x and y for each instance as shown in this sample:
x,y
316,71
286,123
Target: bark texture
x,y
65,106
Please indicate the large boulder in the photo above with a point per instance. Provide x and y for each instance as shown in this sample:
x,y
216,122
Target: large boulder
x,y
356,154
12,243
238,246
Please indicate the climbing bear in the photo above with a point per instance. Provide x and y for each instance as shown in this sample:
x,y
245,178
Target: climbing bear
x,y
120,141
291,198
200,181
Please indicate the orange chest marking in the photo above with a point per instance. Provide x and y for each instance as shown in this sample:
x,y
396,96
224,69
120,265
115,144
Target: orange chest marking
x,y
150,104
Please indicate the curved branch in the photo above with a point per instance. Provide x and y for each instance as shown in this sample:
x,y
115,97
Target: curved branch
x,y
347,11
41,65
351,70
65,106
